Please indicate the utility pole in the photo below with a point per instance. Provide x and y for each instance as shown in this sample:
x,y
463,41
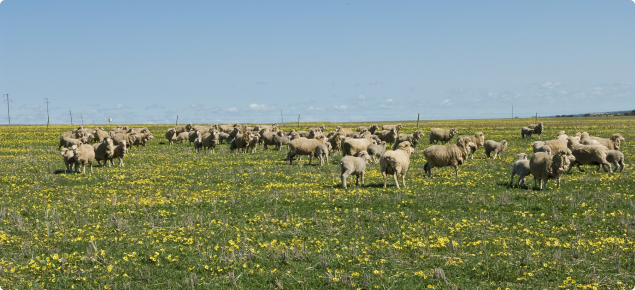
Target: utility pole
x,y
417,120
536,122
281,116
82,116
8,111
298,121
70,113
512,111
177,120
48,119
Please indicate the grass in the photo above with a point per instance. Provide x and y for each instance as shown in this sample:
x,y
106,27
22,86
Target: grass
x,y
174,219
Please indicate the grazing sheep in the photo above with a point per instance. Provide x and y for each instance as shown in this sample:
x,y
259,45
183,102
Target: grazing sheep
x,y
389,127
520,167
303,146
370,129
396,162
413,138
540,146
119,153
180,137
280,139
68,159
241,142
354,165
389,136
68,142
478,139
83,154
195,134
612,143
185,128
377,150
526,132
104,151
209,140
443,135
537,129
142,139
616,158
447,155
268,138
350,146
336,141
322,151
557,144
544,166
493,146
588,155
346,132
170,134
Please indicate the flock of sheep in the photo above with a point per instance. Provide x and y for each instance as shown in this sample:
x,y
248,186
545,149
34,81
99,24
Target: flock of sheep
x,y
365,144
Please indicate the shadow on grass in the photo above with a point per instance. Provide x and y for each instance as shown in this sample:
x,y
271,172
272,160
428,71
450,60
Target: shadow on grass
x,y
59,171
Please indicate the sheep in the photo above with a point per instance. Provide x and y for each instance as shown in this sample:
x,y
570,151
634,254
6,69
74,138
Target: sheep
x,y
119,153
320,129
170,134
389,127
224,137
346,132
120,137
544,166
336,141
198,145
354,165
314,134
588,155
185,128
370,129
83,154
351,146
387,135
104,151
303,146
396,162
612,143
562,135
377,150
540,146
413,138
280,140
68,155
520,167
241,142
493,146
208,140
268,138
195,134
526,132
255,138
537,129
616,158
141,139
322,151
180,137
443,135
100,134
557,144
447,155
478,139
68,142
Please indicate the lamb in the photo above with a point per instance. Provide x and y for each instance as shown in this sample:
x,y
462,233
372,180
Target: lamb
x,y
443,135
387,135
520,167
544,167
351,146
526,132
447,155
540,146
354,165
83,154
119,153
477,139
170,134
396,162
322,151
537,129
612,143
370,129
180,137
208,140
68,159
255,138
616,158
104,151
413,138
198,145
195,134
389,127
377,150
493,146
588,155
303,146
280,140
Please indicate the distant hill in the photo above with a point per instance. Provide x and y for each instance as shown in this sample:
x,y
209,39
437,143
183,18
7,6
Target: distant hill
x,y
615,113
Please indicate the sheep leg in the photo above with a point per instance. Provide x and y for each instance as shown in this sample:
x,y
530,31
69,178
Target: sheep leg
x,y
558,181
310,159
395,176
578,165
403,180
327,158
290,156
511,182
362,174
344,176
543,184
357,180
383,173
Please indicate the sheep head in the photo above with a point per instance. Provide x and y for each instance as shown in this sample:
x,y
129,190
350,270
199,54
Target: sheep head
x,y
406,147
618,137
453,132
364,155
562,159
572,142
561,133
383,144
64,151
522,156
480,136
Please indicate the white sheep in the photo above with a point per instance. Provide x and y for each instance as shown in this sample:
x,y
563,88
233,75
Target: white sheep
x,y
370,129
478,139
616,158
198,145
540,146
493,146
209,140
377,150
387,135
303,146
544,166
345,132
526,132
336,140
142,139
280,140
241,142
104,151
447,155
612,143
588,155
520,167
183,136
322,152
170,135
194,134
537,129
389,127
68,155
119,153
83,154
443,135
350,146
67,141
413,138
354,165
396,162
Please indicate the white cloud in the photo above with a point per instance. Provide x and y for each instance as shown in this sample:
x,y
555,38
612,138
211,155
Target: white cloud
x,y
446,103
389,100
261,107
342,107
550,85
361,97
311,108
563,92
232,109
118,106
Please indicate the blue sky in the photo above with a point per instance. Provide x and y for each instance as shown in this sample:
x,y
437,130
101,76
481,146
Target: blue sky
x,y
246,61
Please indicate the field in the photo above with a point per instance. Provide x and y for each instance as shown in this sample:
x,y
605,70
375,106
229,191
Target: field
x,y
174,219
